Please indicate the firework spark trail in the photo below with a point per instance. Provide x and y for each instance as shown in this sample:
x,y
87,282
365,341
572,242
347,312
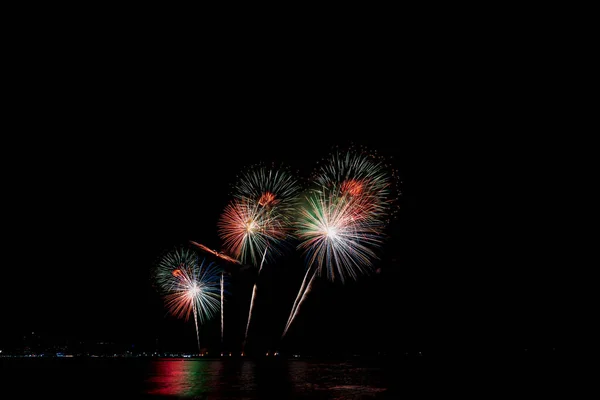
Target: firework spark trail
x,y
298,296
252,301
197,331
249,316
263,260
295,312
225,257
215,253
222,285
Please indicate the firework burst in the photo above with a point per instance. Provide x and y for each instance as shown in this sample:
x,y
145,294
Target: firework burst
x,y
261,214
247,230
259,220
190,286
363,177
274,189
337,237
343,219
344,216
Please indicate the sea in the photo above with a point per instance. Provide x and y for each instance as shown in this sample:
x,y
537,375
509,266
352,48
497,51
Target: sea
x,y
275,378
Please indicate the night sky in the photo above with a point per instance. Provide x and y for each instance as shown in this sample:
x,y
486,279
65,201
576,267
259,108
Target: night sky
x,y
98,187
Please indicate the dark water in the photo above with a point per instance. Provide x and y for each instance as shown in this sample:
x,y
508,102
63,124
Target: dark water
x,y
135,378
112,378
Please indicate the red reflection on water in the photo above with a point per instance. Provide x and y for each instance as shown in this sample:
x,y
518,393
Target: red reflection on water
x,y
175,377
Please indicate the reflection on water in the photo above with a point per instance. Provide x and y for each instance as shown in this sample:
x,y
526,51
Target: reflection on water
x,y
182,378
208,379
234,379
276,378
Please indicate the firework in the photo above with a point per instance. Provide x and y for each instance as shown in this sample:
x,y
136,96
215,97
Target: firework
x,y
190,286
225,257
337,240
247,231
215,253
273,189
300,297
272,194
363,178
259,220
342,221
337,237
260,215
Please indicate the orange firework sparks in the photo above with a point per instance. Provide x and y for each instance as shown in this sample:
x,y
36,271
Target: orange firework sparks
x,y
247,229
352,187
267,199
177,273
215,253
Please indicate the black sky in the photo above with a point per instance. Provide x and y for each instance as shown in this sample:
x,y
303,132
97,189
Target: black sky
x,y
103,175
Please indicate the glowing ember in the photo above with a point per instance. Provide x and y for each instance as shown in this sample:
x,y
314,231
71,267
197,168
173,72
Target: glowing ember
x,y
352,187
266,199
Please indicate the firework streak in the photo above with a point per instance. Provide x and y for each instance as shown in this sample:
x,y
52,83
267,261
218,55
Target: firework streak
x,y
218,254
225,257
